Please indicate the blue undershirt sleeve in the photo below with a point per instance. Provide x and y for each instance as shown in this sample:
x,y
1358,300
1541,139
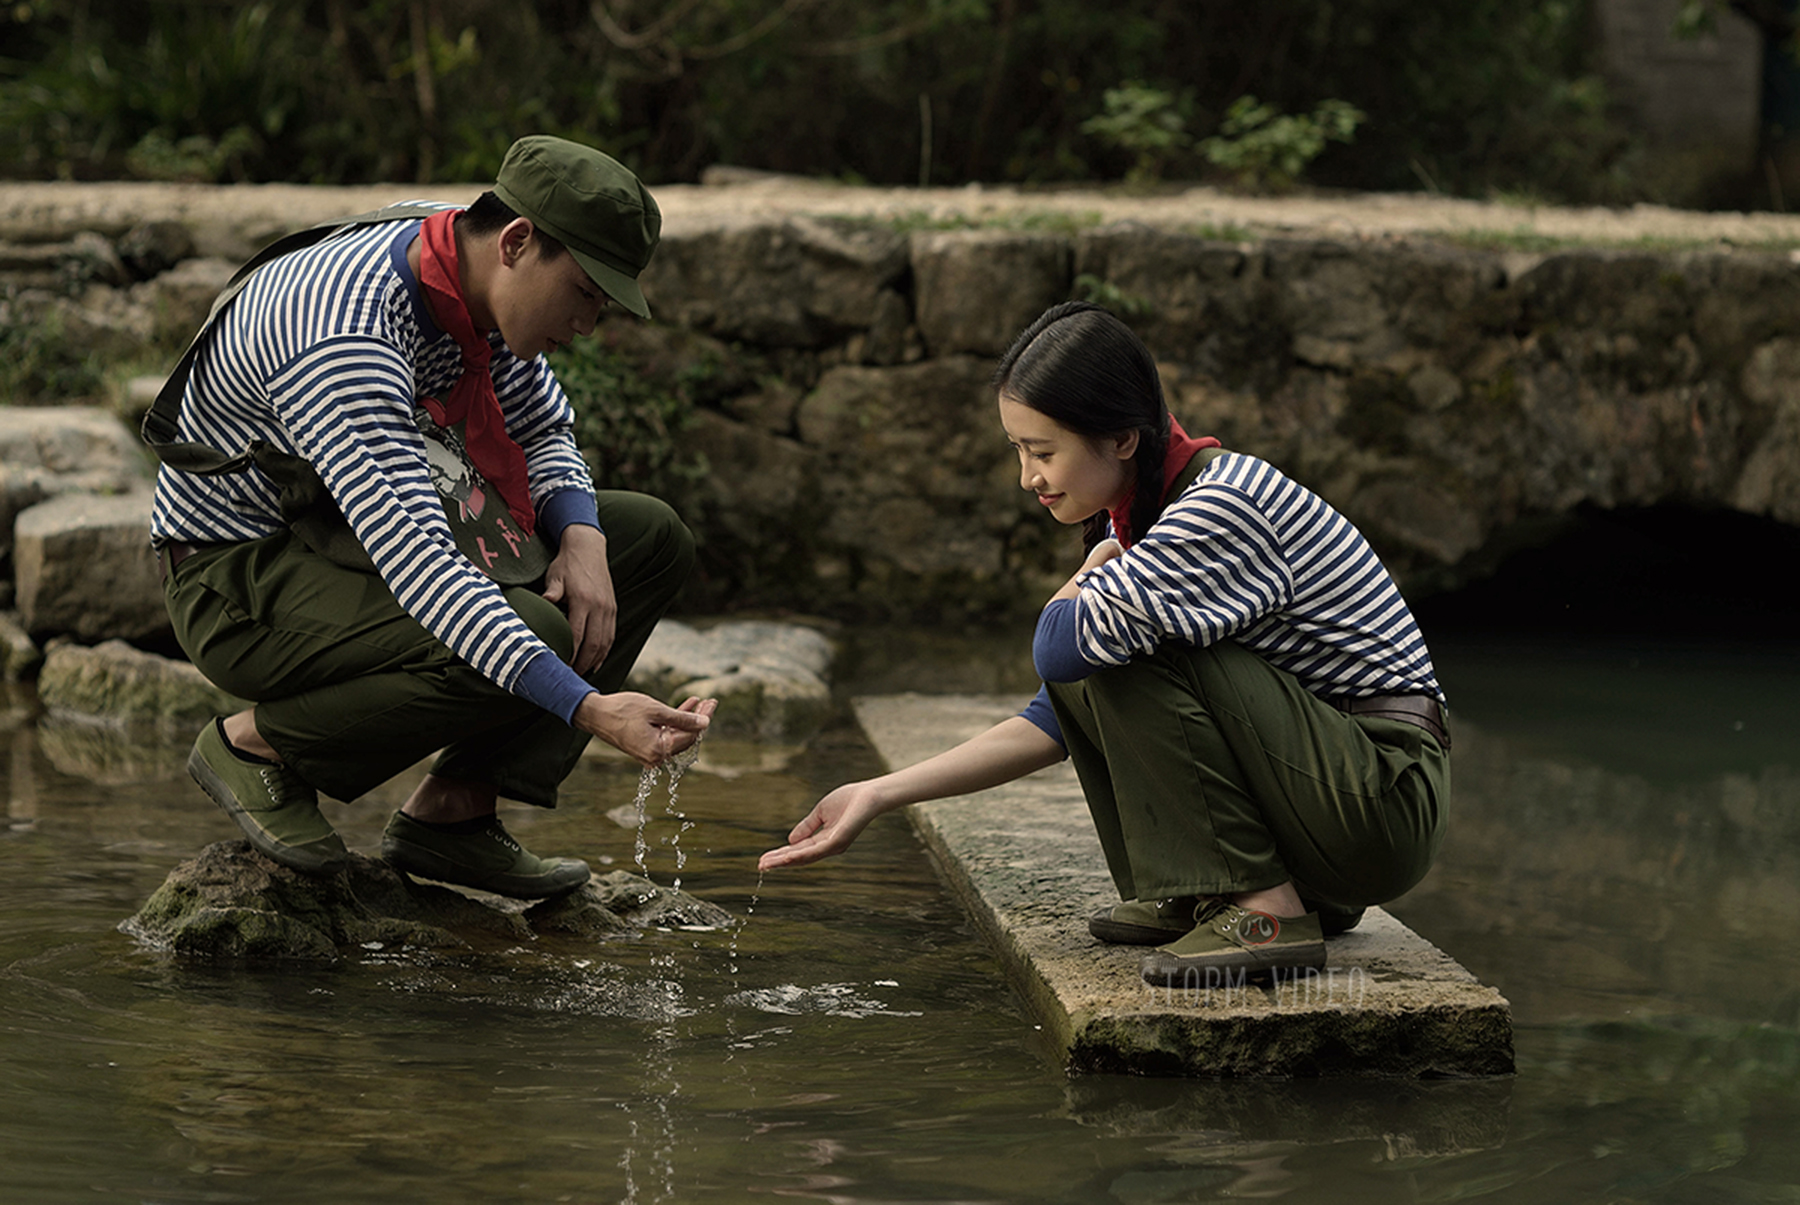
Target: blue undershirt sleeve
x,y
566,507
1054,649
1039,712
553,686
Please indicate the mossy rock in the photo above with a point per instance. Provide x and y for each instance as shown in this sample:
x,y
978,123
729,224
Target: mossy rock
x,y
231,902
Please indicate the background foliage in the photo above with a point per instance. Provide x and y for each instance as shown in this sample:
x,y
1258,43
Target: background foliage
x,y
1475,98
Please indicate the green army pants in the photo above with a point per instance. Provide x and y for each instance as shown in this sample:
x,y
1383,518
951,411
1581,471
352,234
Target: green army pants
x,y
351,690
1209,771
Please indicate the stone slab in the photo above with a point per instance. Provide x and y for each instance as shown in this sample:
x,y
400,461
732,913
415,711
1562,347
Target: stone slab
x,y
1025,859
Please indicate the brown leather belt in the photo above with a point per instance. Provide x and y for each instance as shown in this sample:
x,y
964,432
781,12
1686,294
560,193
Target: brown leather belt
x,y
1423,711
170,555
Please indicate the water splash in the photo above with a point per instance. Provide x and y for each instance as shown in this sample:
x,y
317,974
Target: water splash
x,y
739,928
674,766
832,999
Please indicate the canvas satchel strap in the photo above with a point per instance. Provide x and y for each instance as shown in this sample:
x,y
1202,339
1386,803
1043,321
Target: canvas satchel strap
x,y
161,422
1191,473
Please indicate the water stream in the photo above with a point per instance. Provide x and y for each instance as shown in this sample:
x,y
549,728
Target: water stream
x,y
1623,866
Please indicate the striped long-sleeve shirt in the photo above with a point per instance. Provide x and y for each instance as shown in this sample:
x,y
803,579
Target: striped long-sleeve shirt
x,y
323,355
1248,554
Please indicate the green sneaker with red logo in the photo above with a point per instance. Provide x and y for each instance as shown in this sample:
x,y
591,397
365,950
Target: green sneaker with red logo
x,y
1227,937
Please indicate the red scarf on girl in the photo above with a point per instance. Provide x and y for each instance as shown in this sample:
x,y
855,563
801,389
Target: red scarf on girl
x,y
472,400
1182,447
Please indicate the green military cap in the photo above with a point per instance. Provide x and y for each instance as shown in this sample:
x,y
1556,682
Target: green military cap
x,y
592,204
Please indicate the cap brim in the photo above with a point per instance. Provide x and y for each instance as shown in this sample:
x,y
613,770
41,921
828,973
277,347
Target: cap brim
x,y
618,286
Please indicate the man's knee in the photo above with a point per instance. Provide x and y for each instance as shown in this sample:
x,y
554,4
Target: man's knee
x,y
645,537
670,542
545,619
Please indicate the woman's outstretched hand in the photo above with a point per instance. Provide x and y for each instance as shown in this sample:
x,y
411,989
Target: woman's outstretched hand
x,y
1010,749
828,829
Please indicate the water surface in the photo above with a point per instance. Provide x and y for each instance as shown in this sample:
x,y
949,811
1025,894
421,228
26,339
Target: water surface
x,y
1622,866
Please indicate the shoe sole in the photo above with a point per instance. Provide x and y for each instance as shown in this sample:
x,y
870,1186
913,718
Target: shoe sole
x,y
426,863
263,841
1172,970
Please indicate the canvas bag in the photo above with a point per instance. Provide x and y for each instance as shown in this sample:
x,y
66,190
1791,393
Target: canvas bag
x,y
483,527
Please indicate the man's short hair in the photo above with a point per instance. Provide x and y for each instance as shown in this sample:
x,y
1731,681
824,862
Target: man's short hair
x,y
489,215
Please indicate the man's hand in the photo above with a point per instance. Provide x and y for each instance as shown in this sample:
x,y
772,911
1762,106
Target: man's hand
x,y
649,731
829,828
580,580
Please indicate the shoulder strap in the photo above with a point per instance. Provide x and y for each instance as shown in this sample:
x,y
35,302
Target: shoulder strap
x,y
160,422
1195,466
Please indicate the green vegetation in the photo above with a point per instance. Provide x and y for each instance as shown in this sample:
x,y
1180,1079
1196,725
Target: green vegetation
x,y
1532,242
39,360
1029,221
1522,239
1149,123
1089,287
627,425
1471,99
1265,148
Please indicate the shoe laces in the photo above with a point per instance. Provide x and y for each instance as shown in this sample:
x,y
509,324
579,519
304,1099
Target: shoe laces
x,y
1185,908
1214,909
281,786
498,833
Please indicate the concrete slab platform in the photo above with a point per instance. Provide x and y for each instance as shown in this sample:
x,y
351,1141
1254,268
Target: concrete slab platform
x,y
1025,859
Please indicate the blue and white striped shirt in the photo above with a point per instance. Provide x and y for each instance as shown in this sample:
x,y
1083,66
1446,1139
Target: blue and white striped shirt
x,y
322,355
1248,554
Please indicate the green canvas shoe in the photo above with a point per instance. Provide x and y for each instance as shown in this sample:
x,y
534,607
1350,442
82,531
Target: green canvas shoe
x,y
1147,922
274,806
487,859
1229,937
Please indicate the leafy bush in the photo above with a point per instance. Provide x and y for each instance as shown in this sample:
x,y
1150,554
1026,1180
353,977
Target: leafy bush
x,y
40,361
628,427
1145,121
1467,98
1105,293
1266,148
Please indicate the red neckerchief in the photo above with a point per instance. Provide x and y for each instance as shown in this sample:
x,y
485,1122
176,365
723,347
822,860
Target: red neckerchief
x,y
492,451
1182,447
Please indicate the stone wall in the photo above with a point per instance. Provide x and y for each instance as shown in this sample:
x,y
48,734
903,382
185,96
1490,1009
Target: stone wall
x,y
1454,402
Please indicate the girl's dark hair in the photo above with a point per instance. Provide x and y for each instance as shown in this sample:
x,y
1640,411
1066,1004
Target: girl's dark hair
x,y
489,215
1081,366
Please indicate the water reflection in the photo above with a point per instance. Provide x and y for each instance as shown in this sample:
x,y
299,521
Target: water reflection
x,y
1614,866
1632,858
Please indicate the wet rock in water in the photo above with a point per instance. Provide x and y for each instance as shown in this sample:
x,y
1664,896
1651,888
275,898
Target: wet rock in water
x,y
114,683
109,754
231,902
631,901
769,678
